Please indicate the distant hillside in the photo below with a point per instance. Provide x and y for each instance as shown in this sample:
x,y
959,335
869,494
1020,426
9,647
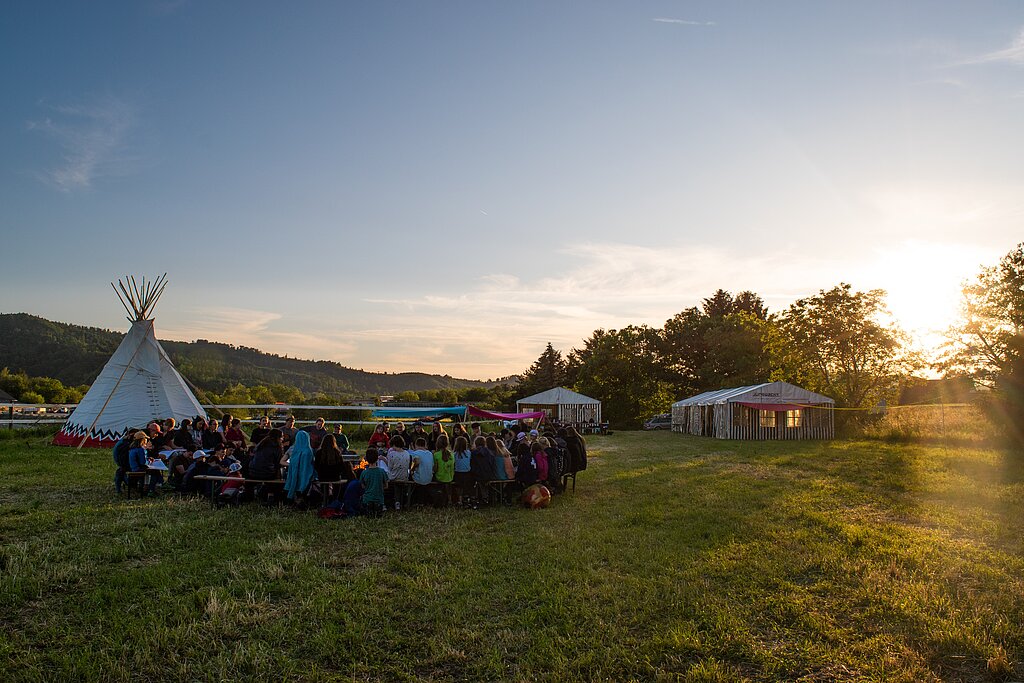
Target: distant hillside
x,y
75,354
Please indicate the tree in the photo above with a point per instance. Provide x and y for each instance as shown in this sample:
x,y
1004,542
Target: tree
x,y
622,368
834,343
547,371
718,345
31,397
988,343
14,383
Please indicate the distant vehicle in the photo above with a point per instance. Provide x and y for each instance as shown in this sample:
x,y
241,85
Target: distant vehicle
x,y
663,421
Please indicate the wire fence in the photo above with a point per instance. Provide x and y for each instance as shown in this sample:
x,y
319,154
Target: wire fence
x,y
951,423
965,424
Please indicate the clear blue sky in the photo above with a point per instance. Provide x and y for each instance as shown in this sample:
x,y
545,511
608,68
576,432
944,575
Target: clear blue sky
x,y
447,186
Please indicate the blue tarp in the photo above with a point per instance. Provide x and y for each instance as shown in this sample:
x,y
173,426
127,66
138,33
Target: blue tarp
x,y
419,412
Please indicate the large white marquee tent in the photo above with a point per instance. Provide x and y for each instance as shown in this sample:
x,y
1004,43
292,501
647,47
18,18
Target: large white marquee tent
x,y
774,410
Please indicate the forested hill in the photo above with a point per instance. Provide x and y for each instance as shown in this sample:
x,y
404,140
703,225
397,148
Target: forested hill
x,y
75,354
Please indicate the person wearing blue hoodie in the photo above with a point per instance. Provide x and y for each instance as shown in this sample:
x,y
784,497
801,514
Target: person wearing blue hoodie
x,y
300,466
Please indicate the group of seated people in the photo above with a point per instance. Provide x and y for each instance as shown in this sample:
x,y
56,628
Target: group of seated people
x,y
443,468
461,467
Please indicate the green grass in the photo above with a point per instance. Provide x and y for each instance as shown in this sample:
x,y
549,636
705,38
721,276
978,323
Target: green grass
x,y
678,558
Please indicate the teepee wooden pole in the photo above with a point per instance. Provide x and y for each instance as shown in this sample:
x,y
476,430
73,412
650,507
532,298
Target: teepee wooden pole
x,y
131,300
123,302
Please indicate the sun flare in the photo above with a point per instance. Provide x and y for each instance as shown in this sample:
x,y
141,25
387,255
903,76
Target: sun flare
x,y
923,281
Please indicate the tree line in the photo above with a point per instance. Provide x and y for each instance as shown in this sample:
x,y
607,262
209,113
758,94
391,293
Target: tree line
x,y
28,389
839,342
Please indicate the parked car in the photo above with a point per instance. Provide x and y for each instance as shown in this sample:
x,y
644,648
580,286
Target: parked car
x,y
663,421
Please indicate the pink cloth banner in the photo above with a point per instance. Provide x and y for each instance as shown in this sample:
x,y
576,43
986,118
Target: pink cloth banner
x,y
476,412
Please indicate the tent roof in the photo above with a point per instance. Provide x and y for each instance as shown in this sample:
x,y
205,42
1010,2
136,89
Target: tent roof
x,y
769,393
6,398
557,396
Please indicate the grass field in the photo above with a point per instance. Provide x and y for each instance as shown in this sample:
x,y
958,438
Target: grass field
x,y
678,558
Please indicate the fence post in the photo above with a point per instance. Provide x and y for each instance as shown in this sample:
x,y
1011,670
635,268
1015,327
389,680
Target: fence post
x,y
942,420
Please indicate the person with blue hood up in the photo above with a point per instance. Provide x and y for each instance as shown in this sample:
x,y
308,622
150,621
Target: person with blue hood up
x,y
300,466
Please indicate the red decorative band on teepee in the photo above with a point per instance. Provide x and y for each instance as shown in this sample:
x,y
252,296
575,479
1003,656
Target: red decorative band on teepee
x,y
71,435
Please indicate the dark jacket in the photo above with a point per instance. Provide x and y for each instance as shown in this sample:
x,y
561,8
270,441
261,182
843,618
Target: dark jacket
x,y
183,439
212,440
526,472
327,465
481,464
121,449
266,462
577,453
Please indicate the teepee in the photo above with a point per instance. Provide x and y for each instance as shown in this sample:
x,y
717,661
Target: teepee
x,y
137,385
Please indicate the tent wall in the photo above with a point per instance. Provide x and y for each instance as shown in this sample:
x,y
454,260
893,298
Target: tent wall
x,y
566,412
728,420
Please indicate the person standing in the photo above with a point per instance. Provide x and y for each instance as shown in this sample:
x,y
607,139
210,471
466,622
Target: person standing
x,y
317,431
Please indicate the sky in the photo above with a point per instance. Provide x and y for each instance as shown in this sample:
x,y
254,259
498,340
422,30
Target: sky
x,y
448,186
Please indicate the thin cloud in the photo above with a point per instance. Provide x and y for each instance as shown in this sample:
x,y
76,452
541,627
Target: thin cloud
x,y
93,139
1014,54
683,22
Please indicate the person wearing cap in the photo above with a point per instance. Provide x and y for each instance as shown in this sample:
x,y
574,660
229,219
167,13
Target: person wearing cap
x,y
138,460
232,488
199,467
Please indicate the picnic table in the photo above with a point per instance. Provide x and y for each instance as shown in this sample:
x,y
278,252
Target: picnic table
x,y
221,478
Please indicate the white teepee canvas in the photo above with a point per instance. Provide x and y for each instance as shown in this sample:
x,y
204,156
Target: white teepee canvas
x,y
137,385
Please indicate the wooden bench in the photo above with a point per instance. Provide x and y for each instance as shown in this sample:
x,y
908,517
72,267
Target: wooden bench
x,y
221,478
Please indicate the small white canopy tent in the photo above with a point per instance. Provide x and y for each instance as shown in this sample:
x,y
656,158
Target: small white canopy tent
x,y
137,385
564,405
774,410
